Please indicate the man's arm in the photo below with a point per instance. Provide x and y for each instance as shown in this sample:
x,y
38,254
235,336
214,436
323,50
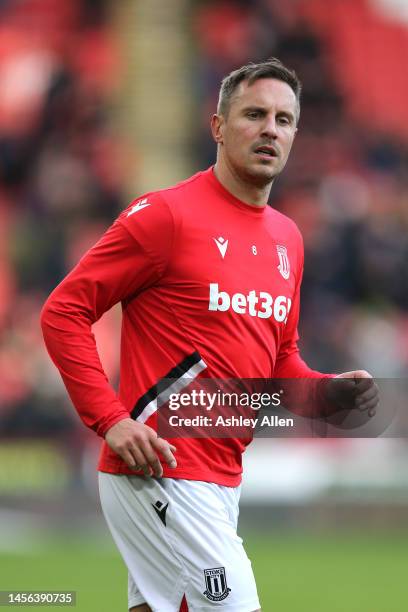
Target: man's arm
x,y
116,268
332,392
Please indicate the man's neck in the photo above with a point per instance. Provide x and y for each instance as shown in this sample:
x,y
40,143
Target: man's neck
x,y
246,192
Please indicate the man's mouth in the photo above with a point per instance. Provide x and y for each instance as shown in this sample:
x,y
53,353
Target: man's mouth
x,y
266,151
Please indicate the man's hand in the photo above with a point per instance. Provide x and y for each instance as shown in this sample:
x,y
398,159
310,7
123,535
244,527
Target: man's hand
x,y
139,445
355,389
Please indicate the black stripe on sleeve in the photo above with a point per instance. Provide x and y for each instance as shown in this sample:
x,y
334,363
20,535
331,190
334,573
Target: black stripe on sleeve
x,y
175,373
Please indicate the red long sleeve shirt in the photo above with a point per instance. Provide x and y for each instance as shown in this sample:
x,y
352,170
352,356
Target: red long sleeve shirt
x,y
209,287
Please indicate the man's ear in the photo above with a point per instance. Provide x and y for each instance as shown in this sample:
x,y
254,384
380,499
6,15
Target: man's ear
x,y
217,128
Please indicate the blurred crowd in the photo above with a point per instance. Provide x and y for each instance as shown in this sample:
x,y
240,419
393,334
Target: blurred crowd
x,y
61,182
60,186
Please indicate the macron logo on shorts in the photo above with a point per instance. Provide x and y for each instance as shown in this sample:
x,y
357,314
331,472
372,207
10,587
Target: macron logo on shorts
x,y
161,510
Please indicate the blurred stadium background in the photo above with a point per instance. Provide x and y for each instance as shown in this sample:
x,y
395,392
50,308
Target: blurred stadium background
x,y
102,100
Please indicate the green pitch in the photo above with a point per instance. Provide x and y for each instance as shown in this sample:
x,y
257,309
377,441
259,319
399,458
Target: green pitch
x,y
346,573
295,573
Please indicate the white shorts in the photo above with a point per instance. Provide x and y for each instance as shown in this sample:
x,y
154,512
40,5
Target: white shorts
x,y
179,537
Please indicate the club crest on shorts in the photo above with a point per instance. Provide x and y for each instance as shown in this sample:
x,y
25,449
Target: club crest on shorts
x,y
284,265
216,583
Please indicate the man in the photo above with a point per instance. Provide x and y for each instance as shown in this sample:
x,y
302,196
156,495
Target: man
x,y
199,269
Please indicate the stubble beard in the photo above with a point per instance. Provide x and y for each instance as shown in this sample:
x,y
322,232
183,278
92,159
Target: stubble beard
x,y
261,177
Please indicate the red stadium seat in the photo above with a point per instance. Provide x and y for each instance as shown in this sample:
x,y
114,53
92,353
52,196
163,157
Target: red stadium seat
x,y
368,56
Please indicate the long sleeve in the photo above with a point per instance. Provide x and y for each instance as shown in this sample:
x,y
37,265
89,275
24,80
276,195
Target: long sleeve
x,y
289,363
123,263
306,397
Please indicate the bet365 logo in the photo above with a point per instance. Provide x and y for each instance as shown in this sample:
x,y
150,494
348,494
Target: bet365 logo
x,y
261,304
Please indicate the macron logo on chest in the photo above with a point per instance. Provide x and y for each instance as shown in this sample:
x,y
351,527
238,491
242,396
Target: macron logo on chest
x,y
222,245
138,206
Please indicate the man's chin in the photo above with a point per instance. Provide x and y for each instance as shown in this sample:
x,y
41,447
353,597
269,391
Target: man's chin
x,y
262,175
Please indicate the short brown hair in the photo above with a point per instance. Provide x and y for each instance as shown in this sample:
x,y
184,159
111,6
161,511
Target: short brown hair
x,y
270,69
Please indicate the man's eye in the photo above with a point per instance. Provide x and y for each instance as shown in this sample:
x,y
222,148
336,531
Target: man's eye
x,y
284,120
253,114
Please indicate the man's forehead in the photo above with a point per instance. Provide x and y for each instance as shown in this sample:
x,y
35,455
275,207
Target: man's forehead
x,y
265,92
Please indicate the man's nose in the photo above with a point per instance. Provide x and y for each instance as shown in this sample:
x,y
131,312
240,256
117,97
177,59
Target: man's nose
x,y
269,128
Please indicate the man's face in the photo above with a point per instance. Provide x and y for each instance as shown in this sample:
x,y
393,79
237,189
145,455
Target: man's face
x,y
256,136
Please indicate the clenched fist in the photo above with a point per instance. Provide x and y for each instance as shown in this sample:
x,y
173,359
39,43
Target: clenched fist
x,y
356,389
